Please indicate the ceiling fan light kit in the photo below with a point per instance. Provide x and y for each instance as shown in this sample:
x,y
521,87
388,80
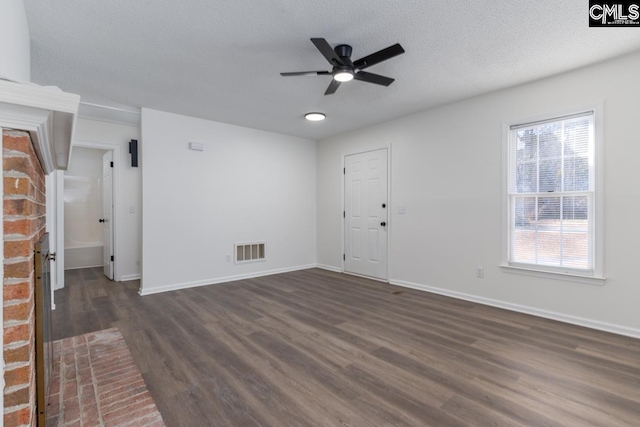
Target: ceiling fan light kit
x,y
345,70
343,76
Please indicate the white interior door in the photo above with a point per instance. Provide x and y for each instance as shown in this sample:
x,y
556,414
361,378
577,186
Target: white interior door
x,y
366,218
107,216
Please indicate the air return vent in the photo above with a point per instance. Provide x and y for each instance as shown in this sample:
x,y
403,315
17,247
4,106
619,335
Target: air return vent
x,y
250,252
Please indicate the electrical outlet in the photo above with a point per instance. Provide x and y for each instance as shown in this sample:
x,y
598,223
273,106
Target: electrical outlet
x,y
480,272
228,258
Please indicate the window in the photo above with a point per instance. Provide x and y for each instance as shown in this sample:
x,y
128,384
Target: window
x,y
551,195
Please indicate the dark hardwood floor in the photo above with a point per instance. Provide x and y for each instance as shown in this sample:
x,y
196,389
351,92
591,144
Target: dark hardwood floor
x,y
316,348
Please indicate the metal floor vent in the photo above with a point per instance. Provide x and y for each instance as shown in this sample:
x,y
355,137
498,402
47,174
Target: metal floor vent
x,y
250,252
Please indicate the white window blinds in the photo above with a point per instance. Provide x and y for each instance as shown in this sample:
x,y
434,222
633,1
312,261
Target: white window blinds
x,y
551,193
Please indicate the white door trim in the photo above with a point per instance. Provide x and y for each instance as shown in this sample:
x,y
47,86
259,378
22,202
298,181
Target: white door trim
x,y
389,221
59,227
116,213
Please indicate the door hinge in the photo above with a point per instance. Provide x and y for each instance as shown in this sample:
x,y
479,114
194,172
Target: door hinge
x,y
344,214
344,257
111,164
344,171
111,257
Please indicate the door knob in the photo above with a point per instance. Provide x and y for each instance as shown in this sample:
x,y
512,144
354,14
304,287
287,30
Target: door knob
x,y
384,205
383,223
101,220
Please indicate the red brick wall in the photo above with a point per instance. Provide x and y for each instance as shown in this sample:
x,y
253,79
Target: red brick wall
x,y
24,222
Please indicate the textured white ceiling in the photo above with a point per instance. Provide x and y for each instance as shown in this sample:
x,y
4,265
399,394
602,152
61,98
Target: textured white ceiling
x,y
221,60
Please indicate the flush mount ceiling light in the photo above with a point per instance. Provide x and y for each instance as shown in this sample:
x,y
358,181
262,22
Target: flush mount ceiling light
x,y
314,117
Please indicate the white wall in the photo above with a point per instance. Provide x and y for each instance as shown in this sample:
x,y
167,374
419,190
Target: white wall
x,y
85,162
247,185
130,226
15,41
83,208
446,169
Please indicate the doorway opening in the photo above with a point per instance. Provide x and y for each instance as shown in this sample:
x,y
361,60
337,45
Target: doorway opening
x,y
89,210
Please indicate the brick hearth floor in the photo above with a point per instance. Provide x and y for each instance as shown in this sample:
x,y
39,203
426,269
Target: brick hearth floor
x,y
96,383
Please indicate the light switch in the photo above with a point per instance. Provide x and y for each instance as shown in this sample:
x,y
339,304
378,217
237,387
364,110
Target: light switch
x,y
401,210
132,209
196,146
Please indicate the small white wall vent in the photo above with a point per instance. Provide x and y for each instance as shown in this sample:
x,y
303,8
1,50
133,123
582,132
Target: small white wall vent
x,y
196,146
250,252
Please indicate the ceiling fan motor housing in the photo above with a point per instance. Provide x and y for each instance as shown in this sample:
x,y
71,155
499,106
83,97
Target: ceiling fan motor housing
x,y
343,50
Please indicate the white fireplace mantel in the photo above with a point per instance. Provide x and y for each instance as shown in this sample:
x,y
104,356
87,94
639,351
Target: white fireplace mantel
x,y
47,113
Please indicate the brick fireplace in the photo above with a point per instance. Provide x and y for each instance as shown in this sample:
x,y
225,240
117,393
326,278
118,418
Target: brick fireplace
x,y
37,125
24,223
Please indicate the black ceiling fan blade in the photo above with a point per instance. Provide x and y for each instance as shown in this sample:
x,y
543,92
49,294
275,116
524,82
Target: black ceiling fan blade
x,y
306,73
379,56
333,87
327,51
363,76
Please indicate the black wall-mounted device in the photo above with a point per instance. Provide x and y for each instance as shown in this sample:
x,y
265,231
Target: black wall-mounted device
x,y
133,149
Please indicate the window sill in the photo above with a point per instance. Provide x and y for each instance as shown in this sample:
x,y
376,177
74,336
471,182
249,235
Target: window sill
x,y
569,277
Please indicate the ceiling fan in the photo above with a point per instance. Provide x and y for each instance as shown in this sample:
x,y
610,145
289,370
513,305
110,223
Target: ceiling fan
x,y
345,70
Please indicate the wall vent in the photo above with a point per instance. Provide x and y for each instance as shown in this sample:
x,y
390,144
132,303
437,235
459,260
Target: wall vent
x,y
250,252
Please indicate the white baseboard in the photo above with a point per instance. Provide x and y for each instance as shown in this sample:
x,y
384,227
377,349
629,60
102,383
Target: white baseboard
x,y
80,268
128,277
575,320
218,280
329,267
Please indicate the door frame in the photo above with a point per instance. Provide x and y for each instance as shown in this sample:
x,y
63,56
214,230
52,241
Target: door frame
x,y
116,213
389,202
108,156
52,227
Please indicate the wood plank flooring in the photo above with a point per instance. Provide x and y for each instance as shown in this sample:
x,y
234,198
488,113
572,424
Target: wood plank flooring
x,y
316,348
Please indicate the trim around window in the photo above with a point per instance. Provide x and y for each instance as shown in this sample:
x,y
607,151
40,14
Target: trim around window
x,y
566,276
593,276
